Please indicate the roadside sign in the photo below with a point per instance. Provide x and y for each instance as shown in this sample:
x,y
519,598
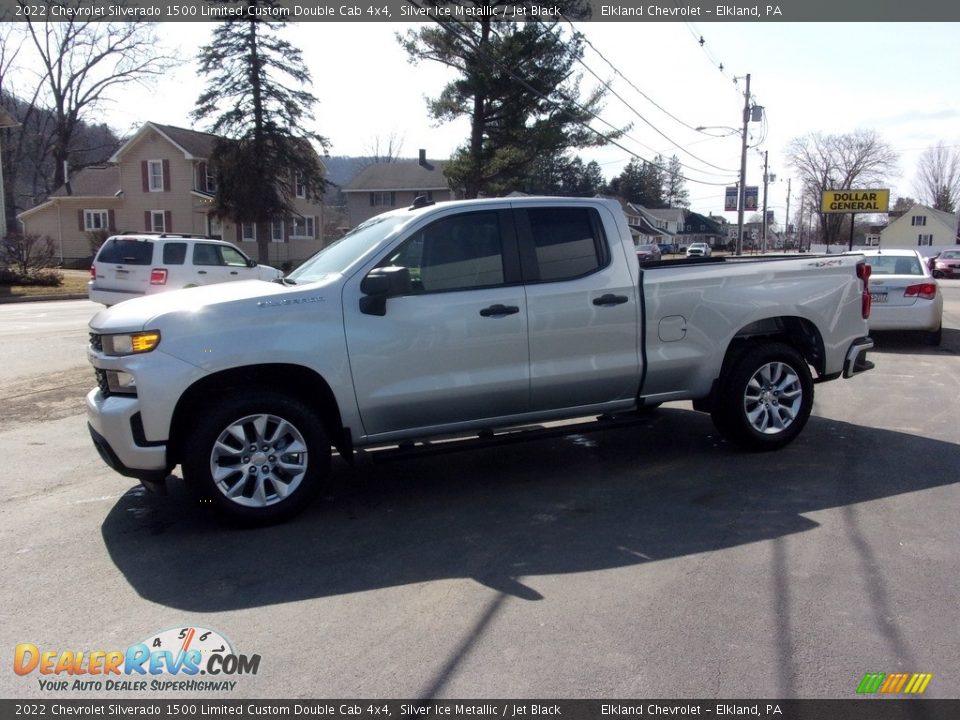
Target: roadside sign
x,y
750,196
855,201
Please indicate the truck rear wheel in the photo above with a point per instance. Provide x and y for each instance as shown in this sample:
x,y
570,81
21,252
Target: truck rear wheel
x,y
764,398
260,456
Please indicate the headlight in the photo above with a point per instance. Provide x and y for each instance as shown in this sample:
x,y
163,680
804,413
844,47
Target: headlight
x,y
131,343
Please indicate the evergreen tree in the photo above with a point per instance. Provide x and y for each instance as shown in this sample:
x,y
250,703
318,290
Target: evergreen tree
x,y
641,182
516,84
256,98
675,194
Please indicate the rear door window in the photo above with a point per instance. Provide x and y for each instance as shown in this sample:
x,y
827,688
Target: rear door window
x,y
174,253
567,243
126,251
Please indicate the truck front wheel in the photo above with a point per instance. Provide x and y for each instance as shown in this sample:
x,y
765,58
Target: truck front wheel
x,y
764,398
259,456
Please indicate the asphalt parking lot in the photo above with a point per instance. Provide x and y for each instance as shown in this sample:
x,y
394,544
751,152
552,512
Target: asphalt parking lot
x,y
643,561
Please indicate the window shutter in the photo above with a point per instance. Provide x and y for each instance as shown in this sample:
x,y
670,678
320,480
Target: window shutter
x,y
80,220
316,227
202,180
145,175
167,218
166,176
146,221
371,199
239,232
111,221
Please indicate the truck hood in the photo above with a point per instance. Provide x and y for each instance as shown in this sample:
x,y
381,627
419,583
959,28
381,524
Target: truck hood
x,y
145,312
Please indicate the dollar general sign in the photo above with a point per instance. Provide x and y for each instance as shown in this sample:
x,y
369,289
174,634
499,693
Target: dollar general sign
x,y
855,201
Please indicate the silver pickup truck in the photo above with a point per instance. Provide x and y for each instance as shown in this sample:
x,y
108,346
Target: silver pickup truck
x,y
460,317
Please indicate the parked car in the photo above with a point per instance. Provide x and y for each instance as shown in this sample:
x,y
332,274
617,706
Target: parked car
x,y
946,264
903,293
667,248
648,253
131,265
698,250
395,333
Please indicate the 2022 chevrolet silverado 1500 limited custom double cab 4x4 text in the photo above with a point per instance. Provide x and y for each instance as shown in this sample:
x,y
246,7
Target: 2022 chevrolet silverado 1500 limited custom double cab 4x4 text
x,y
459,317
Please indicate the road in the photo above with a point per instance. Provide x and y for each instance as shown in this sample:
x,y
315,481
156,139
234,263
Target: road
x,y
650,561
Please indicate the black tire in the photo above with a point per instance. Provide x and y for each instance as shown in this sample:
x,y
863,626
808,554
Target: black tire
x,y
764,397
274,473
933,337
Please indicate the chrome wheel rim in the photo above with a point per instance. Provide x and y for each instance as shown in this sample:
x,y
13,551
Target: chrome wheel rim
x,y
773,398
258,460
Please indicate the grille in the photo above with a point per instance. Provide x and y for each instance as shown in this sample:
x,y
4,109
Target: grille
x,y
102,381
96,342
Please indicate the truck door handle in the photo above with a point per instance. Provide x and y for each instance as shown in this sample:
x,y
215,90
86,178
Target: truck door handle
x,y
499,310
233,272
608,300
201,272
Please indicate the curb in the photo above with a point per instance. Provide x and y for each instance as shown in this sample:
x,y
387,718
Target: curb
x,y
39,298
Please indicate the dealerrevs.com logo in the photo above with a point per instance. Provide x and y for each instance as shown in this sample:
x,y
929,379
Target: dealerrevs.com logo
x,y
187,659
894,683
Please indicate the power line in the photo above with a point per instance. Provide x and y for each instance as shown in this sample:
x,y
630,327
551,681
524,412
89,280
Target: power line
x,y
470,40
636,112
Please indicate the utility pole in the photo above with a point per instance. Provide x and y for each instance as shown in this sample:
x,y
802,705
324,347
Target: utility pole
x,y
786,224
743,167
800,223
763,232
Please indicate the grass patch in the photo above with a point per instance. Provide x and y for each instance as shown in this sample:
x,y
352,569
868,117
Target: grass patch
x,y
74,283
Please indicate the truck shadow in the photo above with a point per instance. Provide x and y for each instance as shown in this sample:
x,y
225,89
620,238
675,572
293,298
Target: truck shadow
x,y
663,489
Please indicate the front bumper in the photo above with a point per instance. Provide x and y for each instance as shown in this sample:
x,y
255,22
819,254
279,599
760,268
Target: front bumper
x,y
129,453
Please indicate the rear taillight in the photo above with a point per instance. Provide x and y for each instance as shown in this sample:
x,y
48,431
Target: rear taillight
x,y
863,272
93,272
927,291
158,276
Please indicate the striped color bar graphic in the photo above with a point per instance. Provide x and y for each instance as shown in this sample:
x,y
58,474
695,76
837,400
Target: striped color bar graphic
x,y
894,683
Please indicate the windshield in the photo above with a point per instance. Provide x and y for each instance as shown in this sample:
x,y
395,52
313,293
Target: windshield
x,y
348,250
950,255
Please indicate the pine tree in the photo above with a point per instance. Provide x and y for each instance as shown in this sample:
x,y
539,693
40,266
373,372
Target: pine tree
x,y
256,98
675,194
517,86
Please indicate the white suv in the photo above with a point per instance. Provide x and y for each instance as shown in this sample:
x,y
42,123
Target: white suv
x,y
698,250
132,265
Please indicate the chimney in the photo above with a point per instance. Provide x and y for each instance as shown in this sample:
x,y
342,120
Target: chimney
x,y
423,160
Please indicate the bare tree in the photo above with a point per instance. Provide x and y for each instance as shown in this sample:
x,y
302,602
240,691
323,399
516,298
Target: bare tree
x,y
839,162
81,63
938,178
385,150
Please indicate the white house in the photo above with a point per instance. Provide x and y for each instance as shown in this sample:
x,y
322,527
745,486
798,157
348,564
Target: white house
x,y
922,228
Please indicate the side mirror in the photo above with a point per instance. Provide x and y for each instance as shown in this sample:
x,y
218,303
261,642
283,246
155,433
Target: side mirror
x,y
251,263
382,283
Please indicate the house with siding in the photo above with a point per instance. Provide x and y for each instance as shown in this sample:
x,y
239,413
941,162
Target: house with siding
x,y
380,187
702,229
159,180
922,228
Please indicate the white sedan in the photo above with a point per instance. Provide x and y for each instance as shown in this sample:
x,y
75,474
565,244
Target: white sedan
x,y
904,294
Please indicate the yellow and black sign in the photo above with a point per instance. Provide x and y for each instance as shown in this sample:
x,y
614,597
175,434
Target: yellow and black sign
x,y
855,201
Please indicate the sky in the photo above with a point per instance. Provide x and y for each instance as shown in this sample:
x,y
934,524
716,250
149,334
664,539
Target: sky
x,y
898,79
